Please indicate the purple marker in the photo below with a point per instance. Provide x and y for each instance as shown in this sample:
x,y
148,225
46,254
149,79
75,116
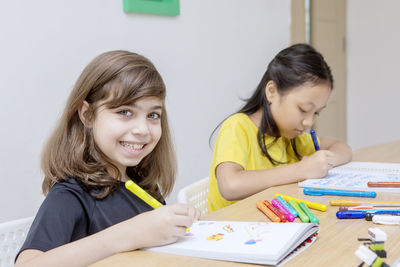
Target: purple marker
x,y
282,209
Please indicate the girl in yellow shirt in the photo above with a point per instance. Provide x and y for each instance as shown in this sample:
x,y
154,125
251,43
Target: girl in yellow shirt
x,y
265,144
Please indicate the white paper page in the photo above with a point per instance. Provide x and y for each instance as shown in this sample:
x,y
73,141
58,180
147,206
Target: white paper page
x,y
356,175
252,242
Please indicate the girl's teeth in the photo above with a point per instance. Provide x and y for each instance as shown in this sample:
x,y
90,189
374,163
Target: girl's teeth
x,y
133,146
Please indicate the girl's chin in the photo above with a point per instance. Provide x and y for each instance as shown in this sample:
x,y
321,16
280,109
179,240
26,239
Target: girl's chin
x,y
292,135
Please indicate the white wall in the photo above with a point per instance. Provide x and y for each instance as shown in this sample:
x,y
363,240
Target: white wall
x,y
209,56
373,50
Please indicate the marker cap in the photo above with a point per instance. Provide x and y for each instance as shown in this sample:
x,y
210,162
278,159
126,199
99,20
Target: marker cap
x,y
386,219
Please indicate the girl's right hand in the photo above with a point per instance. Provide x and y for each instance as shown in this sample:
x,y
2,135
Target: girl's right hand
x,y
157,227
317,165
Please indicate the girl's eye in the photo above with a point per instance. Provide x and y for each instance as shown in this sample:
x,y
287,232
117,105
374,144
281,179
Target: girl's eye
x,y
316,113
154,116
125,112
302,110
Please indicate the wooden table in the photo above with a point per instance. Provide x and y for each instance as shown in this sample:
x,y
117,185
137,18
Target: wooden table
x,y
337,239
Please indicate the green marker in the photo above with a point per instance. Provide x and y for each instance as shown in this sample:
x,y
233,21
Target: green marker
x,y
303,217
311,216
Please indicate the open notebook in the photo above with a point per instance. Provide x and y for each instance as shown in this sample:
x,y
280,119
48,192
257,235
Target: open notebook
x,y
250,242
356,175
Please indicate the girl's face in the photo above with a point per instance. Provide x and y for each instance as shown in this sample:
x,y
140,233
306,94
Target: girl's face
x,y
127,134
297,110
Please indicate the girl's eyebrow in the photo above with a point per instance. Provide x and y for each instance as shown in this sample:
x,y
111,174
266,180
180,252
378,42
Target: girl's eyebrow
x,y
311,103
156,107
150,108
308,103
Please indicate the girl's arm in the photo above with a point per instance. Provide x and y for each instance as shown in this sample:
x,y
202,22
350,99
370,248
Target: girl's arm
x,y
158,227
235,183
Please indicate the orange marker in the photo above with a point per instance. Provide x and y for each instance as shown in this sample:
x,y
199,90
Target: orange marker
x,y
281,216
383,184
262,207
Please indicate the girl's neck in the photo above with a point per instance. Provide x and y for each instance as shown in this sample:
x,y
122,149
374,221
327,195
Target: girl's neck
x,y
122,171
256,117
125,178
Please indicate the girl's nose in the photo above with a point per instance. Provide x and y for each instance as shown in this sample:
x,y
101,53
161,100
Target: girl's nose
x,y
308,122
140,127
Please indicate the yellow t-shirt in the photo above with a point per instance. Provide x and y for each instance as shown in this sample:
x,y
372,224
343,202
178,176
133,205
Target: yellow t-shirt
x,y
237,142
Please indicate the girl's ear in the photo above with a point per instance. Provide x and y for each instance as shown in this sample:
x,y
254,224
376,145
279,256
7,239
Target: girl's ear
x,y
85,114
271,91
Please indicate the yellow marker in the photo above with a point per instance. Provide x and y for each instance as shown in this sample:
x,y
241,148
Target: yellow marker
x,y
143,195
309,204
339,202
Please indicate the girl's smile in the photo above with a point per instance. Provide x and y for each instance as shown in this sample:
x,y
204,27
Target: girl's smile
x,y
132,147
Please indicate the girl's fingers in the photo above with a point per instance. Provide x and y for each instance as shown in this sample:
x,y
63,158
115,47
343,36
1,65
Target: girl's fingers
x,y
183,209
184,215
179,231
194,213
183,221
198,214
180,209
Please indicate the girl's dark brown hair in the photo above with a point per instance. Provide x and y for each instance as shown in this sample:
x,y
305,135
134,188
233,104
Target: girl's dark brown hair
x,y
112,79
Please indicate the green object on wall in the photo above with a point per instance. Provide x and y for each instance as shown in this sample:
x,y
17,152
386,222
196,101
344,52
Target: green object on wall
x,y
158,7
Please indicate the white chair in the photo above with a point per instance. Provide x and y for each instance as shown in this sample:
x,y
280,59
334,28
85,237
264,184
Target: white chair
x,y
12,236
195,194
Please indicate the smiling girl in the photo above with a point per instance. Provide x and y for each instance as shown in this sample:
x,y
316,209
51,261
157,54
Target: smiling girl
x,y
114,128
265,144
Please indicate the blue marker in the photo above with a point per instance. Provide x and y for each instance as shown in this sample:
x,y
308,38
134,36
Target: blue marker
x,y
349,193
351,214
315,140
359,214
286,206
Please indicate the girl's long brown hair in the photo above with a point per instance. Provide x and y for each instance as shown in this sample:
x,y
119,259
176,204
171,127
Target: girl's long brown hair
x,y
113,78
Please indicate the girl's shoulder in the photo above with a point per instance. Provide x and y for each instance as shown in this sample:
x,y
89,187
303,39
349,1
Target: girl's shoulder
x,y
240,120
73,188
70,188
70,185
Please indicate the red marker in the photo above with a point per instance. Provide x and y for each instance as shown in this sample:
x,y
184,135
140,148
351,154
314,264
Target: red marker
x,y
276,211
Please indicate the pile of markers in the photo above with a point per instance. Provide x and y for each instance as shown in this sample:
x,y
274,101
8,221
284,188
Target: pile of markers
x,y
285,208
381,212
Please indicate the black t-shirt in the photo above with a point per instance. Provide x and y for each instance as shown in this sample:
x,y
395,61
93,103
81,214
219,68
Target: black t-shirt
x,y
69,213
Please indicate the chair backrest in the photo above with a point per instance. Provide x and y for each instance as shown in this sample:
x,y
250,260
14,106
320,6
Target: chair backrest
x,y
12,236
196,194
